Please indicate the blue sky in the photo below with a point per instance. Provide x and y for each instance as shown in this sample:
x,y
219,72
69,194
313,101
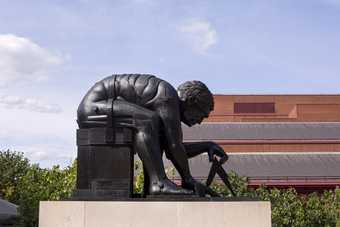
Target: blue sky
x,y
52,51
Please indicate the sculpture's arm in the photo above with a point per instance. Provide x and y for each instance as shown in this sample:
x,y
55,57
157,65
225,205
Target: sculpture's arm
x,y
175,150
95,109
168,109
196,148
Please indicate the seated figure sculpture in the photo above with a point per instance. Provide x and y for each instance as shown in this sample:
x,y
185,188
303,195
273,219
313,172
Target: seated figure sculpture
x,y
157,110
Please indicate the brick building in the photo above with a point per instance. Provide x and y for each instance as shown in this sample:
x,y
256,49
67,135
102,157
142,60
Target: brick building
x,y
276,140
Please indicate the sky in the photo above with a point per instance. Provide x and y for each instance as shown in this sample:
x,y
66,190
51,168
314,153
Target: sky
x,y
52,52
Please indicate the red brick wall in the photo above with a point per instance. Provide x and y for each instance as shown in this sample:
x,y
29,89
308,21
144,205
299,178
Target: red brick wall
x,y
288,108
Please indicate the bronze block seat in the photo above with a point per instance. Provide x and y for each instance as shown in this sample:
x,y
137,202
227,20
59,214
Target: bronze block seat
x,y
105,163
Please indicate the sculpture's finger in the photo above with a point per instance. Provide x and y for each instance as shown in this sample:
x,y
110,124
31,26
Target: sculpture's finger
x,y
211,155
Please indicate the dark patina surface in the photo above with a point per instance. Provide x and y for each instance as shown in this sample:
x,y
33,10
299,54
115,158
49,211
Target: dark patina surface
x,y
138,113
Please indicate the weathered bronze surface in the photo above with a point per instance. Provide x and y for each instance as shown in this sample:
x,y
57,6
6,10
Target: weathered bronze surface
x,y
140,113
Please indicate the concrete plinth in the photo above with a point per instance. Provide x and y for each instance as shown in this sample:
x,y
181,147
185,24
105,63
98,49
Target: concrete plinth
x,y
155,213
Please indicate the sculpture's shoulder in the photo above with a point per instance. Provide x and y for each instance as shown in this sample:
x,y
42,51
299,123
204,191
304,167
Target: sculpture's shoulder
x,y
167,91
156,90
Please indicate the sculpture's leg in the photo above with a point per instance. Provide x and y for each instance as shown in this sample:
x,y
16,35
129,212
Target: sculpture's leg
x,y
147,146
146,185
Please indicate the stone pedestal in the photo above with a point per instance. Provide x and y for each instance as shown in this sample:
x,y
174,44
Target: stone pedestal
x,y
155,214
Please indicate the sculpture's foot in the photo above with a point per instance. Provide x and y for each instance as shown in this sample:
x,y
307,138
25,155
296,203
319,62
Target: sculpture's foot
x,y
167,187
199,189
190,184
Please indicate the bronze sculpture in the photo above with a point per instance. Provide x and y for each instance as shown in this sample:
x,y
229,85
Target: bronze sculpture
x,y
156,110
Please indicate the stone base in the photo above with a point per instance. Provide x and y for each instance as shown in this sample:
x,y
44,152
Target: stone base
x,y
155,214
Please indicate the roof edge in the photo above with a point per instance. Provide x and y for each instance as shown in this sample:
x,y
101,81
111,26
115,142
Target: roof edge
x,y
269,94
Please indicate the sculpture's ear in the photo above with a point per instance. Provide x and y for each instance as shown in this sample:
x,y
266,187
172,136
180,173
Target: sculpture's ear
x,y
180,95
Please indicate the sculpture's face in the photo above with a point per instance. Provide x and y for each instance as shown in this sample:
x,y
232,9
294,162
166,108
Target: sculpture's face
x,y
193,115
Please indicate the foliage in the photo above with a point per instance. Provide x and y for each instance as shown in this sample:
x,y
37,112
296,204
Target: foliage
x,y
13,166
139,178
25,184
289,209
239,185
43,184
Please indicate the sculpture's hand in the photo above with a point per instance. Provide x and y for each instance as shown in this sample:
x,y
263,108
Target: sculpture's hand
x,y
215,150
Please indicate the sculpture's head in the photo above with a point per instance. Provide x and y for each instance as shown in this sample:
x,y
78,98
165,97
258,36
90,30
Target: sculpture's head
x,y
196,102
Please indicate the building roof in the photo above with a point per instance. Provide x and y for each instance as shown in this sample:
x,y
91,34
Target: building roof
x,y
278,94
262,131
7,210
274,165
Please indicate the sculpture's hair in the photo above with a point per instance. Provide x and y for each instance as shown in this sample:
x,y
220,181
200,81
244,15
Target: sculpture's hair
x,y
196,92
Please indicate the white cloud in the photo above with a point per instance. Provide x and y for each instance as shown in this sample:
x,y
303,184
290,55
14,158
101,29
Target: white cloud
x,y
30,104
46,139
48,154
199,34
22,59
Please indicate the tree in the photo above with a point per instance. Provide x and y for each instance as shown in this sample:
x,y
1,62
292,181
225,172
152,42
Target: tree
x,y
26,185
13,166
40,184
